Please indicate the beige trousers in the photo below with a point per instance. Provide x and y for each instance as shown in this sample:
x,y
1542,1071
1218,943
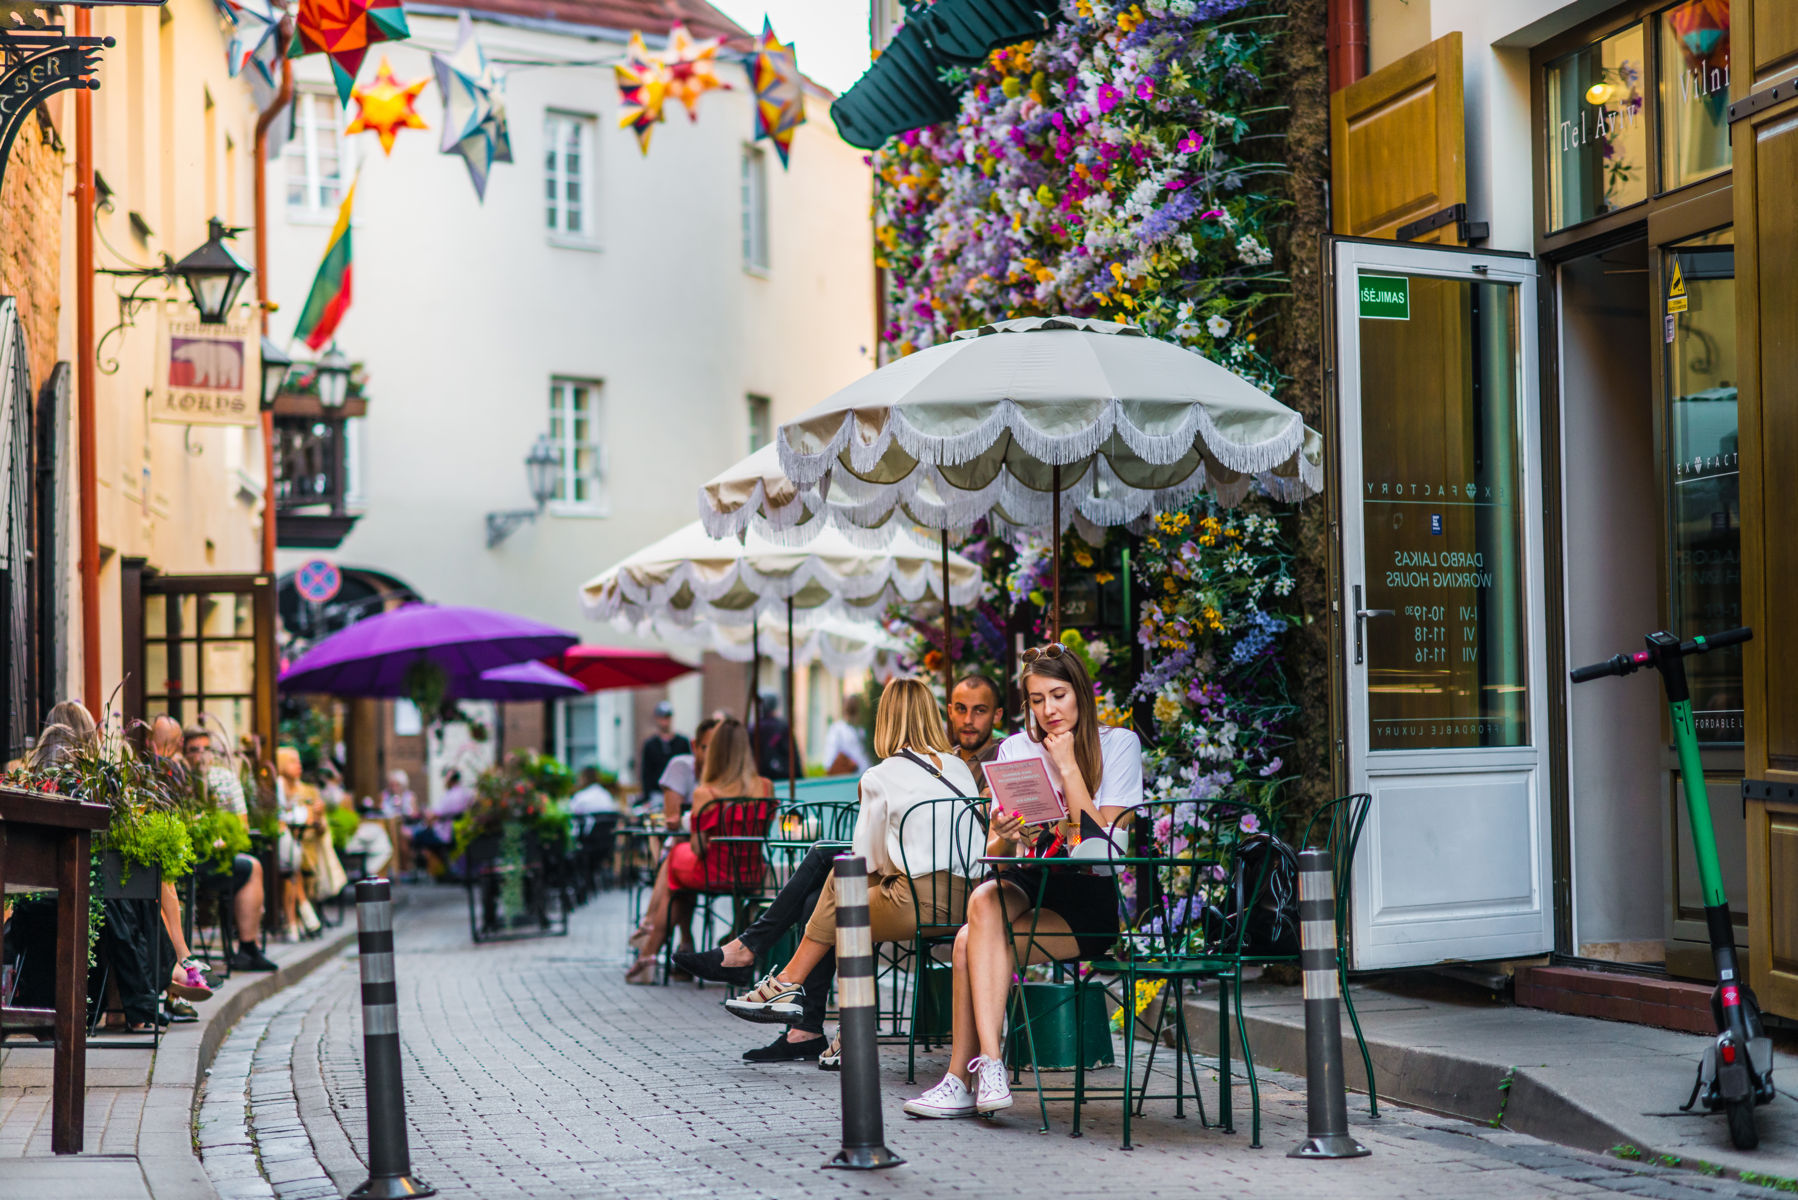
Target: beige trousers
x,y
943,899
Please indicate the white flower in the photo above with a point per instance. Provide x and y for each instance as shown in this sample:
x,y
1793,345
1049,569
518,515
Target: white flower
x,y
1252,253
1217,327
1283,586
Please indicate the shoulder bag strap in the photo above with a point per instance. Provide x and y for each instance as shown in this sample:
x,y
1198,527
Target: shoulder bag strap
x,y
907,752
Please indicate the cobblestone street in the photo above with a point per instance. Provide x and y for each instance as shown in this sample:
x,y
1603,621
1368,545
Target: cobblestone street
x,y
533,1071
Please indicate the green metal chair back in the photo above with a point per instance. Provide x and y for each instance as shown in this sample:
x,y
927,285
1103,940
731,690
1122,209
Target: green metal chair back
x,y
958,837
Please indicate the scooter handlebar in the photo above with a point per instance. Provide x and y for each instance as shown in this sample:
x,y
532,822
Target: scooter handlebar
x,y
1628,664
1617,664
1729,637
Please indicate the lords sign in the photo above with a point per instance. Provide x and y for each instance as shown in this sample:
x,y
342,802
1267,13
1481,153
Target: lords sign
x,y
206,374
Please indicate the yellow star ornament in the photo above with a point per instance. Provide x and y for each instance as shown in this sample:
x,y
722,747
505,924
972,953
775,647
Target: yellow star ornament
x,y
385,106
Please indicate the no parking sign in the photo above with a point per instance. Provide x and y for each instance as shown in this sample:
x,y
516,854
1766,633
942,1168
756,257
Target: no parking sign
x,y
317,580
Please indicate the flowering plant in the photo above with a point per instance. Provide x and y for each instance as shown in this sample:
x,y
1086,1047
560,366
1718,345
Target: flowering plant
x,y
524,792
1111,168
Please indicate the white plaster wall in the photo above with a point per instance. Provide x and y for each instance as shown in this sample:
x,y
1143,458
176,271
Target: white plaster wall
x,y
463,312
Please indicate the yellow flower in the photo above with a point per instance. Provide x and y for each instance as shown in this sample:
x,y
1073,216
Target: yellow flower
x,y
1083,558
1154,542
1231,532
1011,87
1167,709
1104,577
1044,196
1170,586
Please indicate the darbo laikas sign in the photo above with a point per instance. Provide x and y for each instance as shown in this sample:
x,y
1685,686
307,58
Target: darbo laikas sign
x,y
206,374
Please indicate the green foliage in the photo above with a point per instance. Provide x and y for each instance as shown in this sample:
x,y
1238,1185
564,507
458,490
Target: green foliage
x,y
1626,1150
1777,1183
524,790
310,732
344,822
153,838
218,836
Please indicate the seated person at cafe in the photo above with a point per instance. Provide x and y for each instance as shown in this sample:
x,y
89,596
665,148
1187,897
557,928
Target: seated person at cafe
x,y
974,704
916,764
433,838
1097,773
694,865
246,871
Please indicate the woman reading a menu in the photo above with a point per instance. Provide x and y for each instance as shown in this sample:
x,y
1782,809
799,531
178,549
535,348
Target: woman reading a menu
x,y
1094,771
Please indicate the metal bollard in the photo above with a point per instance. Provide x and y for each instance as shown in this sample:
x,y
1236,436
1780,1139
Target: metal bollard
x,y
864,1145
389,1158
1326,1101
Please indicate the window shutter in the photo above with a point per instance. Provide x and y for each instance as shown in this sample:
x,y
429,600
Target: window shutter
x,y
1398,151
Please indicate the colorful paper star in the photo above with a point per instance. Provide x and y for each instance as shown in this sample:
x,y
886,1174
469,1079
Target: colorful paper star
x,y
385,106
779,91
474,107
255,40
343,30
642,88
692,68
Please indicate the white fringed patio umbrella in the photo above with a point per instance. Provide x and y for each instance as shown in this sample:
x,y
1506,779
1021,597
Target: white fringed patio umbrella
x,y
1030,423
690,577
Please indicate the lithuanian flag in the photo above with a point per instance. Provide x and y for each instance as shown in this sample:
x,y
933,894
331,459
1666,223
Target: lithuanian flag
x,y
330,295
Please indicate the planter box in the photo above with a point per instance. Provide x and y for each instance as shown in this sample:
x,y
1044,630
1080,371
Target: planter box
x,y
117,882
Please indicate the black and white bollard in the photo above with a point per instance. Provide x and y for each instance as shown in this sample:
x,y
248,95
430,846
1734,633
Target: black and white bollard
x,y
864,1144
1326,1101
389,1158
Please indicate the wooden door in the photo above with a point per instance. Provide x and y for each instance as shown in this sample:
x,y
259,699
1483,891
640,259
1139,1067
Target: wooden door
x,y
1398,149
1765,140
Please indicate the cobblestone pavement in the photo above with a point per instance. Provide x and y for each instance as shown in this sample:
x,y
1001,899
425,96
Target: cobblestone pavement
x,y
533,1071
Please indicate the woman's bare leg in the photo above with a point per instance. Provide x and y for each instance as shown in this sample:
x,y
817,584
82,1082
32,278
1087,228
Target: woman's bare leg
x,y
964,1042
171,924
655,915
1040,935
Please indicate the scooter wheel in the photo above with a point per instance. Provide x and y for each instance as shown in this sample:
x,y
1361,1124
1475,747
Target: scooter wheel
x,y
1742,1133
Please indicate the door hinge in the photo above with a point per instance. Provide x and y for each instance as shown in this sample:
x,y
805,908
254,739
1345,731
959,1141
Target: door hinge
x,y
1455,214
1747,106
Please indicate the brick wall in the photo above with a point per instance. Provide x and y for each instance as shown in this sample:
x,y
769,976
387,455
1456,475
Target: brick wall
x,y
522,727
31,236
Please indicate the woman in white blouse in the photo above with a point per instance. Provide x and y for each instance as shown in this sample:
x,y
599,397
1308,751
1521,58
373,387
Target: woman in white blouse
x,y
1071,914
920,857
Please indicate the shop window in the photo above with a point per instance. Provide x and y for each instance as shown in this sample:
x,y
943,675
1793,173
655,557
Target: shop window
x,y
317,157
1694,92
574,435
1704,496
1597,131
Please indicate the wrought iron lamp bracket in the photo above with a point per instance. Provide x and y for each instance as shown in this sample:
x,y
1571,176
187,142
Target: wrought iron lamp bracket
x,y
502,525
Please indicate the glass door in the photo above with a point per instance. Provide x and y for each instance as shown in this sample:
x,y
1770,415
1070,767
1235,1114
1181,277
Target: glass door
x,y
1443,605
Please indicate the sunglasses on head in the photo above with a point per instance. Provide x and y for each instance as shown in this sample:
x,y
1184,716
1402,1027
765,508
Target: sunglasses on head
x,y
1052,650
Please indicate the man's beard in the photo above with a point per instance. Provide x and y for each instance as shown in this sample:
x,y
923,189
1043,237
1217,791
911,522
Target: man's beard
x,y
972,739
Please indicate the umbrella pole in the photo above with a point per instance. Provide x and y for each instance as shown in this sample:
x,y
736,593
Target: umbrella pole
x,y
792,716
755,668
1055,535
948,664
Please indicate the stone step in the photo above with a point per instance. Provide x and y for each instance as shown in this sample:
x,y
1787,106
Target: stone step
x,y
1617,996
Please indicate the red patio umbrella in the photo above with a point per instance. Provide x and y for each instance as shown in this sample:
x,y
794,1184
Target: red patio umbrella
x,y
602,668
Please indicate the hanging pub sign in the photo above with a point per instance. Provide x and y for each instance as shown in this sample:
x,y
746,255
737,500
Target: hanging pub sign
x,y
206,374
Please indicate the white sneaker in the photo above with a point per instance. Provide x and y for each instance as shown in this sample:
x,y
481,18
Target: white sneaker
x,y
992,1090
950,1098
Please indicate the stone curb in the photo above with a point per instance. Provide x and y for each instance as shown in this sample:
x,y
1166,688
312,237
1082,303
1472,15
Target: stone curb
x,y
165,1140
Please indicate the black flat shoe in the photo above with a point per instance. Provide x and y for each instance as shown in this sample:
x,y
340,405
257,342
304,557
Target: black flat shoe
x,y
781,1050
709,966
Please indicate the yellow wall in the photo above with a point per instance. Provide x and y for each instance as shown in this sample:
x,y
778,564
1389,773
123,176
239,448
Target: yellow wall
x,y
172,144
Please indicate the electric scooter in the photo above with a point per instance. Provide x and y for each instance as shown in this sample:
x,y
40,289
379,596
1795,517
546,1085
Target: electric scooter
x,y
1736,1072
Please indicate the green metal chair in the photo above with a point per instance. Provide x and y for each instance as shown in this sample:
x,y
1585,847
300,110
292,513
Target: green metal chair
x,y
1339,822
962,822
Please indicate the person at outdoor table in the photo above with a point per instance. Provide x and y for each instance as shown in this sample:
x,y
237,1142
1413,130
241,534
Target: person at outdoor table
x,y
844,753
658,748
776,754
245,886
399,807
592,797
437,834
973,707
680,779
916,764
1097,772
730,774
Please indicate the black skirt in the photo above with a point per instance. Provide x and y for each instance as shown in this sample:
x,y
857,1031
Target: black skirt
x,y
1087,902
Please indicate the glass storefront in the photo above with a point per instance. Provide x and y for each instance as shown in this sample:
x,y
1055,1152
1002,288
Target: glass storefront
x,y
1439,428
1597,135
1704,506
1694,91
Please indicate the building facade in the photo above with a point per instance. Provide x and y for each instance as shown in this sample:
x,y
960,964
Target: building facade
x,y
652,316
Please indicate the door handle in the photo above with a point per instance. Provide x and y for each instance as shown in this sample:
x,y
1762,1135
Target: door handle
x,y
1361,615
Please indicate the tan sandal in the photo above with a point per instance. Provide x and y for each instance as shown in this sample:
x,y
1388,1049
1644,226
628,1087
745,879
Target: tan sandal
x,y
643,972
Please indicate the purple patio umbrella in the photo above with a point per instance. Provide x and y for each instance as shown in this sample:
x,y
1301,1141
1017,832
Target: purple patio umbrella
x,y
521,681
371,657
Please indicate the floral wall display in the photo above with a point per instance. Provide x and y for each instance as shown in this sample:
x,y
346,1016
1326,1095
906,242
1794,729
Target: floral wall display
x,y
1119,167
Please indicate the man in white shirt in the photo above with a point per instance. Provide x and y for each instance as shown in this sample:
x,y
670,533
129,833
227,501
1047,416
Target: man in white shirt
x,y
593,796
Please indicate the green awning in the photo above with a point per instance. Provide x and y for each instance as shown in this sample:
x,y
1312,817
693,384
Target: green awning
x,y
904,88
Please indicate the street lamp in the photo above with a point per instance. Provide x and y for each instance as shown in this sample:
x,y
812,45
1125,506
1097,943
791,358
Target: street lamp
x,y
541,468
213,274
275,363
333,378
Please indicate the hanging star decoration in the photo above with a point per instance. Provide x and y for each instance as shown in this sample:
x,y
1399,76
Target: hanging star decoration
x,y
474,107
385,106
779,91
642,88
255,37
343,30
692,68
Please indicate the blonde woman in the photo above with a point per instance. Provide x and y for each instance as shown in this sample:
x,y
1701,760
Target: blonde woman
x,y
694,865
916,764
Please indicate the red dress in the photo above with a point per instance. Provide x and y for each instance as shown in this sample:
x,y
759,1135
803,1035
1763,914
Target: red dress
x,y
728,866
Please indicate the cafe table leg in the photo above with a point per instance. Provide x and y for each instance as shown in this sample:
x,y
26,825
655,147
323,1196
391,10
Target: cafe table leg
x,y
69,1073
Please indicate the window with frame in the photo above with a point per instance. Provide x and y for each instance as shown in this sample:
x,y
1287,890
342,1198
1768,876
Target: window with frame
x,y
317,157
574,436
761,422
569,143
755,208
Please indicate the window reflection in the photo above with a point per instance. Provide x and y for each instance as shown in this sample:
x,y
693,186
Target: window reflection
x,y
1597,135
1694,91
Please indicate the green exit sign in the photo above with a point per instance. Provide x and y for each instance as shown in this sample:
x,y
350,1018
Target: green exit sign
x,y
1386,297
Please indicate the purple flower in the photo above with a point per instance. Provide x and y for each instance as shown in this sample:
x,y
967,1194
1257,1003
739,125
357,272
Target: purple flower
x,y
1250,823
1108,97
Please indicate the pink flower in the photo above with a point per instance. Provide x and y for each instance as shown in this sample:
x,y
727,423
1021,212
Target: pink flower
x,y
1144,89
1191,142
1250,823
1108,97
